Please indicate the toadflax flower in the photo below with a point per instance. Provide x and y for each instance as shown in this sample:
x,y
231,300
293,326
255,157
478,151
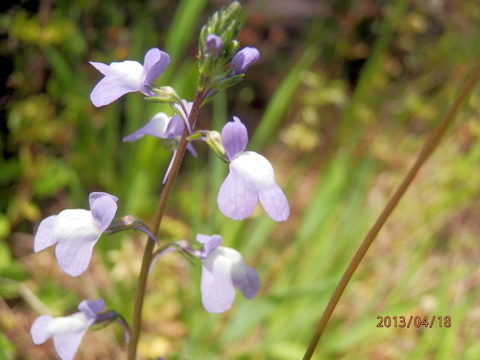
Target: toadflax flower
x,y
67,332
163,127
243,59
251,179
128,76
223,270
76,231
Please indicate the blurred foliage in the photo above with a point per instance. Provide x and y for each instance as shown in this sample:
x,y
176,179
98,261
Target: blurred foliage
x,y
341,101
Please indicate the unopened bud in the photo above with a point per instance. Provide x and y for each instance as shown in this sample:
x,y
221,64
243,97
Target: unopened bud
x,y
244,58
213,45
214,140
164,94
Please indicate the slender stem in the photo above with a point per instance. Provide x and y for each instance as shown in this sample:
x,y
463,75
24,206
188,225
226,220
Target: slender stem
x,y
423,156
147,254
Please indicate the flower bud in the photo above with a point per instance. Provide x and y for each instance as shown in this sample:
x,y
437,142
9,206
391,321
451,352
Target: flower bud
x,y
213,45
214,140
217,43
244,58
164,94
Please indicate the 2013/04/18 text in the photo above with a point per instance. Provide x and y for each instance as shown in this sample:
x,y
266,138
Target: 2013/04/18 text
x,y
413,321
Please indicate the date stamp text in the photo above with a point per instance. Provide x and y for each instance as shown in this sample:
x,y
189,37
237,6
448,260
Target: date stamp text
x,y
414,321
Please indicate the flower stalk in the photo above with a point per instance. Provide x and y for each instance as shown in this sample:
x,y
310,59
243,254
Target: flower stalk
x,y
149,247
427,150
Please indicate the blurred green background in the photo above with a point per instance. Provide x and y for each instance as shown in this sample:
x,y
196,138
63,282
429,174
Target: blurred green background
x,y
344,96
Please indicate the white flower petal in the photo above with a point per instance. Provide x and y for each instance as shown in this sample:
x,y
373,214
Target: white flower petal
x,y
254,169
75,223
129,72
68,324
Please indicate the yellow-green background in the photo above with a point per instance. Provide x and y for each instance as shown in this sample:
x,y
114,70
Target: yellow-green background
x,y
344,95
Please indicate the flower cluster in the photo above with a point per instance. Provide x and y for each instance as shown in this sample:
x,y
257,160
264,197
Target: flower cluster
x,y
250,181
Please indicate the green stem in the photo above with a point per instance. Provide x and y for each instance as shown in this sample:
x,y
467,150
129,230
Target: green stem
x,y
423,156
147,254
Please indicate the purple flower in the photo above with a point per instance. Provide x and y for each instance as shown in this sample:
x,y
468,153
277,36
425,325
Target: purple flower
x,y
128,76
67,332
213,45
251,179
243,59
223,270
163,127
76,231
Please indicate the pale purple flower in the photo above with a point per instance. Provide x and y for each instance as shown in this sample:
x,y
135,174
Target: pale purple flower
x,y
76,231
223,270
243,59
67,332
213,45
128,76
251,179
164,127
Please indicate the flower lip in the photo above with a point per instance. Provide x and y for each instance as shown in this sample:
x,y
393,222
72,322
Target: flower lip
x,y
69,324
255,170
129,72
